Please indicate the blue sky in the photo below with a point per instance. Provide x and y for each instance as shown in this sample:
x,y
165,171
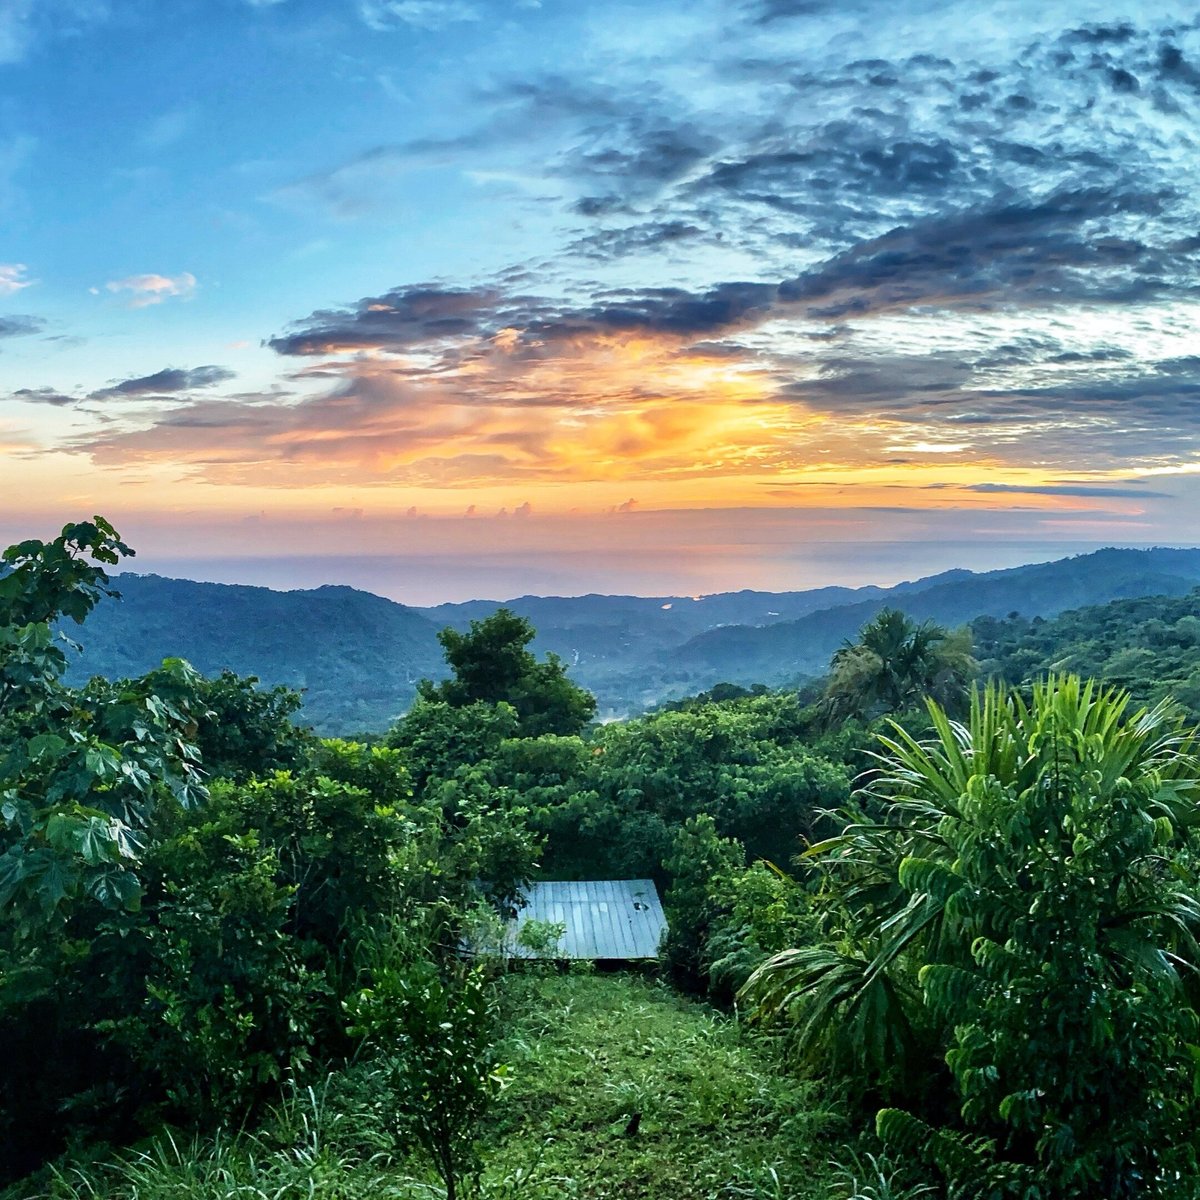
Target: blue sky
x,y
287,279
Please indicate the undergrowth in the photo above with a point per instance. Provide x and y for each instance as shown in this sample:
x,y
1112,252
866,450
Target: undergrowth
x,y
620,1088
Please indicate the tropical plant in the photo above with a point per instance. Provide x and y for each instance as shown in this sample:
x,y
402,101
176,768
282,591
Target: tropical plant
x,y
244,729
81,772
1018,892
699,858
895,664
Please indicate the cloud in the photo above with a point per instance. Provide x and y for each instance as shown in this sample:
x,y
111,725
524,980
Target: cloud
x,y
802,250
1067,489
424,316
19,326
168,381
166,129
145,290
650,237
43,395
12,278
1033,252
400,319
386,15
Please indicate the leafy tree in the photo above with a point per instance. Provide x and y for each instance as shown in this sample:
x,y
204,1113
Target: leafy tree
x,y
1149,645
699,857
434,1032
81,772
1021,895
735,761
437,738
86,776
243,729
766,911
895,663
491,665
219,1004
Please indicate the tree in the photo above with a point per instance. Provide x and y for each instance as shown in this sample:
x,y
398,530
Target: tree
x,y
81,772
700,858
245,730
491,665
434,1033
895,664
1019,893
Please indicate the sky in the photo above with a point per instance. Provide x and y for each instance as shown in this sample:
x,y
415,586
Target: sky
x,y
453,298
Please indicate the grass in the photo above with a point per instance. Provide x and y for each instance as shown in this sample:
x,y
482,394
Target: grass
x,y
622,1090
589,1054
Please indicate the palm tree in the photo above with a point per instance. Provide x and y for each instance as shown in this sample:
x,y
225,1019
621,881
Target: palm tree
x,y
1015,894
896,663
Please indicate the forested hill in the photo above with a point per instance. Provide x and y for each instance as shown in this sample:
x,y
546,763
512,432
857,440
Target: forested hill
x,y
1149,645
804,646
358,656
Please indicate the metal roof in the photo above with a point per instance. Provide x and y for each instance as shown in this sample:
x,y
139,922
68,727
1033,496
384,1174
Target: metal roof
x,y
604,919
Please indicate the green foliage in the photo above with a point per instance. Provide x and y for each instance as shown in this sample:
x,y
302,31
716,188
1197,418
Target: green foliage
x,y
698,858
765,911
491,665
1149,646
738,761
541,938
718,1120
245,730
874,1177
163,958
81,773
1022,898
433,1033
228,1007
437,738
896,663
624,1090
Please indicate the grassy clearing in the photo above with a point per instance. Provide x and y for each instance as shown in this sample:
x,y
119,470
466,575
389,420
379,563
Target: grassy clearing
x,y
621,1089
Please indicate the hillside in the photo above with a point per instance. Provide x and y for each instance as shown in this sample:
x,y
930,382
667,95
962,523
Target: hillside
x,y
357,657
785,651
1149,645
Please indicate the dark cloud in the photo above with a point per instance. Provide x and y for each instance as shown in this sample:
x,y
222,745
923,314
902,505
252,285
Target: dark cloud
x,y
606,244
19,326
409,317
398,320
43,395
1174,67
675,311
1017,252
767,11
168,381
635,160
1103,35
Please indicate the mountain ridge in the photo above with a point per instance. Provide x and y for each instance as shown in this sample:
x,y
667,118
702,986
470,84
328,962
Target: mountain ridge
x,y
358,656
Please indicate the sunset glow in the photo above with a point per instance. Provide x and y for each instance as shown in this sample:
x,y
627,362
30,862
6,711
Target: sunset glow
x,y
347,275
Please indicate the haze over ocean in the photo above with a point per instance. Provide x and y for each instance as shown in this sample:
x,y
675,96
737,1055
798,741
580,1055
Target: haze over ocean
x,y
427,580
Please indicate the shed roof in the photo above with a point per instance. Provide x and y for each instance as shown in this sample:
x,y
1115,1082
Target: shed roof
x,y
604,919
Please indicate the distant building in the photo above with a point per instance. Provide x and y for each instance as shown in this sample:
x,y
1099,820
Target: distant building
x,y
605,920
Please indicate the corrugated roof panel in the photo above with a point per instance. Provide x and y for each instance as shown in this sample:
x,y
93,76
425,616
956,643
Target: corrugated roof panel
x,y
604,919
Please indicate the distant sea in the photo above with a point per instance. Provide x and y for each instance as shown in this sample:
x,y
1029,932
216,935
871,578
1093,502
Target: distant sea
x,y
424,580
